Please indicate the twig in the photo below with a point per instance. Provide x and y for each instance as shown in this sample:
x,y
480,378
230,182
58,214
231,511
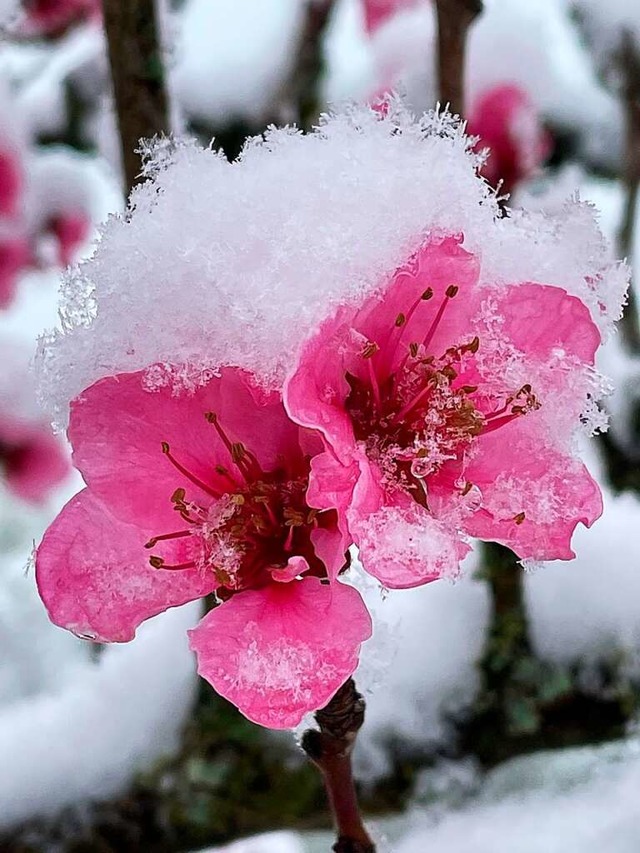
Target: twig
x,y
454,19
138,78
299,99
330,749
629,65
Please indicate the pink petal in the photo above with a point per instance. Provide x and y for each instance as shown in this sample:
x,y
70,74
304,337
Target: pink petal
x,y
94,577
353,490
405,547
117,430
437,265
295,566
315,394
516,474
282,651
539,319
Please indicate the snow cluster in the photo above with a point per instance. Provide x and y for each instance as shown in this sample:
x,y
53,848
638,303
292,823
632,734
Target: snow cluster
x,y
218,263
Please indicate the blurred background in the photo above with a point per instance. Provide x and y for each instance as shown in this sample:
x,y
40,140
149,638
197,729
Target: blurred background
x,y
503,709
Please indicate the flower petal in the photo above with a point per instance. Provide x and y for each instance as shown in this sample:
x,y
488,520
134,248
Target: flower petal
x,y
541,318
405,547
532,497
315,394
95,580
117,430
282,651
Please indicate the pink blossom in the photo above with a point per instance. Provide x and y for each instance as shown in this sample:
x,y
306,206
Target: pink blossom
x,y
447,410
187,495
11,182
32,459
507,123
378,12
14,257
70,230
52,17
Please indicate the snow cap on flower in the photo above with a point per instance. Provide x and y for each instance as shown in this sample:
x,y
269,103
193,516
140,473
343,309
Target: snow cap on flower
x,y
191,495
237,263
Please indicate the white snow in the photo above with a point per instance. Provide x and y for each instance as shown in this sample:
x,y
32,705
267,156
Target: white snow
x,y
222,263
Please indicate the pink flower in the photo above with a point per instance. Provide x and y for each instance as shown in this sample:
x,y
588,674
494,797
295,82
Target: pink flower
x,y
14,257
447,409
52,18
378,12
31,458
11,182
193,494
70,230
508,124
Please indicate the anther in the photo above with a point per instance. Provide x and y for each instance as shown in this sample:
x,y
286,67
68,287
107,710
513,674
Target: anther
x,y
519,518
370,349
428,294
159,563
452,291
400,319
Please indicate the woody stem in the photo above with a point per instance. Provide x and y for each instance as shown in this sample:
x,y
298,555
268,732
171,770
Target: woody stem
x,y
330,750
454,19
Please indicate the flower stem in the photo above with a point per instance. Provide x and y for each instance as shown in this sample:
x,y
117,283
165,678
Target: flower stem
x,y
330,750
138,77
454,19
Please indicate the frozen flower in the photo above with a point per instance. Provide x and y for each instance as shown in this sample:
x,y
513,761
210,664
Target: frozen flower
x,y
194,494
448,409
32,460
508,124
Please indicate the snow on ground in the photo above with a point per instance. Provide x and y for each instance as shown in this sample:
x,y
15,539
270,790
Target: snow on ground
x,y
569,801
97,723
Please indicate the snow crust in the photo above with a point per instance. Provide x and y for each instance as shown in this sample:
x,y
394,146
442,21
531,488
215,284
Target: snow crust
x,y
219,263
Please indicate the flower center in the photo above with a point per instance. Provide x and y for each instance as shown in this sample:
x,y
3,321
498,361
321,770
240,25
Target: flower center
x,y
254,524
414,410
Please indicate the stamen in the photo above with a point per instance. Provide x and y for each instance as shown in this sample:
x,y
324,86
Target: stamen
x,y
178,535
375,388
195,480
288,544
158,563
450,292
238,452
412,403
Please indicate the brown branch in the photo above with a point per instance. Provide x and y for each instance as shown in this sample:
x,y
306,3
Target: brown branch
x,y
330,749
454,19
138,78
299,100
629,65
